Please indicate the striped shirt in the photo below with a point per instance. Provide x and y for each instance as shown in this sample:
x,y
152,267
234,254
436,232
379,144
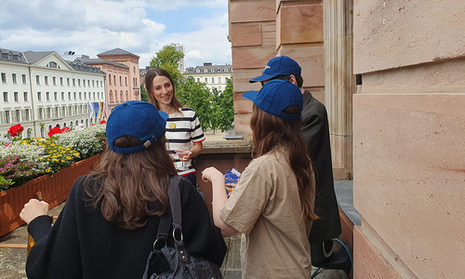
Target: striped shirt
x,y
183,129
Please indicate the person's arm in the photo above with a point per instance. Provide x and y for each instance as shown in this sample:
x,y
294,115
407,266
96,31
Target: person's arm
x,y
214,176
33,209
196,149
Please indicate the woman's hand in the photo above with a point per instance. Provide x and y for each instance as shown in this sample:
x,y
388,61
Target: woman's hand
x,y
34,208
211,174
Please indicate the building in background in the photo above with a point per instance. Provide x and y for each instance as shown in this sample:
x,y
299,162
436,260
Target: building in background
x,y
41,90
214,76
122,75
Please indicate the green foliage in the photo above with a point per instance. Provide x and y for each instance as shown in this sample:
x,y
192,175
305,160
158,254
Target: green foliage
x,y
168,59
143,93
198,97
224,107
5,183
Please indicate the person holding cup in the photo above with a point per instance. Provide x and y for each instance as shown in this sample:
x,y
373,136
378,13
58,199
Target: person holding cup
x,y
183,131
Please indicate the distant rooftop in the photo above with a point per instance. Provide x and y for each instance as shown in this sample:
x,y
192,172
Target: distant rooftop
x,y
83,67
93,61
12,56
116,51
209,68
34,56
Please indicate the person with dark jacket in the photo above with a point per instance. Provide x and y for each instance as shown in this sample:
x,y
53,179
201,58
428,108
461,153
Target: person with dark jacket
x,y
316,136
110,220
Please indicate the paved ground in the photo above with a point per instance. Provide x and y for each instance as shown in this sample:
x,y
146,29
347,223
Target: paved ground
x,y
12,260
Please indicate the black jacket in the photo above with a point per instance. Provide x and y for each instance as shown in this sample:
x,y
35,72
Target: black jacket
x,y
82,244
316,136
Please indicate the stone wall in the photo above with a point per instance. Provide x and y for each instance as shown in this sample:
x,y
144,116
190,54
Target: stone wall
x,y
408,158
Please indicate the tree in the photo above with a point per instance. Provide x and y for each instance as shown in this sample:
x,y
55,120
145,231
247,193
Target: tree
x,y
168,59
197,96
224,115
143,94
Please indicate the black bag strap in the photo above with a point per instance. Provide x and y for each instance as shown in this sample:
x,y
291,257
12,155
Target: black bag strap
x,y
174,214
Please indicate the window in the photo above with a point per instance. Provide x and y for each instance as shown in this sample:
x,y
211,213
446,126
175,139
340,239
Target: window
x,y
29,132
46,80
15,57
219,79
23,77
67,81
206,80
85,95
56,114
126,81
40,113
25,96
15,96
120,81
114,79
27,115
74,94
74,82
3,77
61,81
37,79
5,97
198,79
17,115
54,81
69,95
7,117
93,83
135,82
213,80
55,96
39,96
109,79
47,96
63,111
52,64
79,82
13,77
49,113
80,96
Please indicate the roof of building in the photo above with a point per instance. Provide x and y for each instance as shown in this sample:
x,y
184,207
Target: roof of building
x,y
208,68
81,66
34,56
116,51
93,61
12,56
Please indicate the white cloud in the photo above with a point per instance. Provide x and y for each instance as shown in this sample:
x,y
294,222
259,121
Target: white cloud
x,y
93,26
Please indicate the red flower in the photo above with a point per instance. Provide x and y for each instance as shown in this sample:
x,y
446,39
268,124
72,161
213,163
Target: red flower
x,y
15,130
54,130
103,122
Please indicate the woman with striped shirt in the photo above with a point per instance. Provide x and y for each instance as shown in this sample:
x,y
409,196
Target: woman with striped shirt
x,y
183,132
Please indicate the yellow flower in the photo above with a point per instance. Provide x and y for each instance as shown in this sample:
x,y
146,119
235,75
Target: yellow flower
x,y
68,158
48,170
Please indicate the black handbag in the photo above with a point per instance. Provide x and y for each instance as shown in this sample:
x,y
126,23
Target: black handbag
x,y
166,262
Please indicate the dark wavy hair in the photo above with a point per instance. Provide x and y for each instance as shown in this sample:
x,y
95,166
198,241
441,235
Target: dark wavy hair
x,y
151,74
123,185
270,131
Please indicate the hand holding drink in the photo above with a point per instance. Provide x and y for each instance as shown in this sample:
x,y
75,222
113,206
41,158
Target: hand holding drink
x,y
183,156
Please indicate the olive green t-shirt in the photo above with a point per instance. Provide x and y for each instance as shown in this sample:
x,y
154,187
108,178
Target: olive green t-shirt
x,y
265,208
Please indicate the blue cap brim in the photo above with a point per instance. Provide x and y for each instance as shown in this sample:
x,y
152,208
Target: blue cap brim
x,y
163,115
262,78
250,95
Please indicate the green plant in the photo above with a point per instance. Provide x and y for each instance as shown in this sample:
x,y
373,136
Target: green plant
x,y
5,183
15,170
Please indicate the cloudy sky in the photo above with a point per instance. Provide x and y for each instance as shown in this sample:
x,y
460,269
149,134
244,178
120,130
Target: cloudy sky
x,y
141,27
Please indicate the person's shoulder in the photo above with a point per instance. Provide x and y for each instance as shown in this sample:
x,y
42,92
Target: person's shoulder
x,y
313,105
188,112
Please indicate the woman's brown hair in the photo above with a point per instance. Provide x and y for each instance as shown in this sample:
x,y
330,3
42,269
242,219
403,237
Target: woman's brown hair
x,y
270,131
125,187
151,74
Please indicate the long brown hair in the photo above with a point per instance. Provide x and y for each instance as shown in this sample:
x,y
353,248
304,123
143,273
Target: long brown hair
x,y
130,182
151,74
270,131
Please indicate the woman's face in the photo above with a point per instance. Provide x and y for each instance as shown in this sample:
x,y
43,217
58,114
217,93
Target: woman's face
x,y
162,90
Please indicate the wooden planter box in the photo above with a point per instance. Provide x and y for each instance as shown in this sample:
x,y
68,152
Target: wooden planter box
x,y
54,190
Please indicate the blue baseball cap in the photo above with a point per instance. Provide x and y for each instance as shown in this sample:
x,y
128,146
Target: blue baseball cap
x,y
275,96
279,66
138,119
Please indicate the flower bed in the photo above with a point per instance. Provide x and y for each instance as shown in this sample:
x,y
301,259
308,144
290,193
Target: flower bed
x,y
45,167
38,156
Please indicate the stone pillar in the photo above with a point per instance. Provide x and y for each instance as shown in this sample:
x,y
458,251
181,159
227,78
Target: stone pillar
x,y
339,82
